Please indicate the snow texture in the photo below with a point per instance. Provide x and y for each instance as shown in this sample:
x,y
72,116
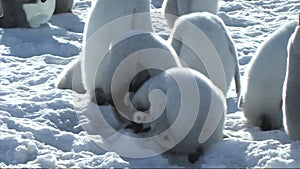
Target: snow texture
x,y
41,127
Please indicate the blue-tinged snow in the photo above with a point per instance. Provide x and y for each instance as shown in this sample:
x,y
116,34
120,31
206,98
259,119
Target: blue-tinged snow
x,y
41,127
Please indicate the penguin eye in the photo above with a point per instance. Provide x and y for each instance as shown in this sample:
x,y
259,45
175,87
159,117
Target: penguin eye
x,y
43,1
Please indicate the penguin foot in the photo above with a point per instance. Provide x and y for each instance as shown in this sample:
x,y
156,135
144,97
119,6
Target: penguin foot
x,y
99,97
193,157
137,128
266,124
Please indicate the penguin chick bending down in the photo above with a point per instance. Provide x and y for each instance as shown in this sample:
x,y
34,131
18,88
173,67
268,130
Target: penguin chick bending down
x,y
186,111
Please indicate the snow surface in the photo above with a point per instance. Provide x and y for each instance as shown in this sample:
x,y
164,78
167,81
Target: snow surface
x,y
41,127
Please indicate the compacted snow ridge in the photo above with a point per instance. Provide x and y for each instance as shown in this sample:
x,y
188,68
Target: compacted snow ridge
x,y
40,125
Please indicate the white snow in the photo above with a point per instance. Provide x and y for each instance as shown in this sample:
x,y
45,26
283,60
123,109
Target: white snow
x,y
40,126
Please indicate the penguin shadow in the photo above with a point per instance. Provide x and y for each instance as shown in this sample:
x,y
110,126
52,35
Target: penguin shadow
x,y
232,105
257,134
295,152
52,38
68,21
164,36
180,160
